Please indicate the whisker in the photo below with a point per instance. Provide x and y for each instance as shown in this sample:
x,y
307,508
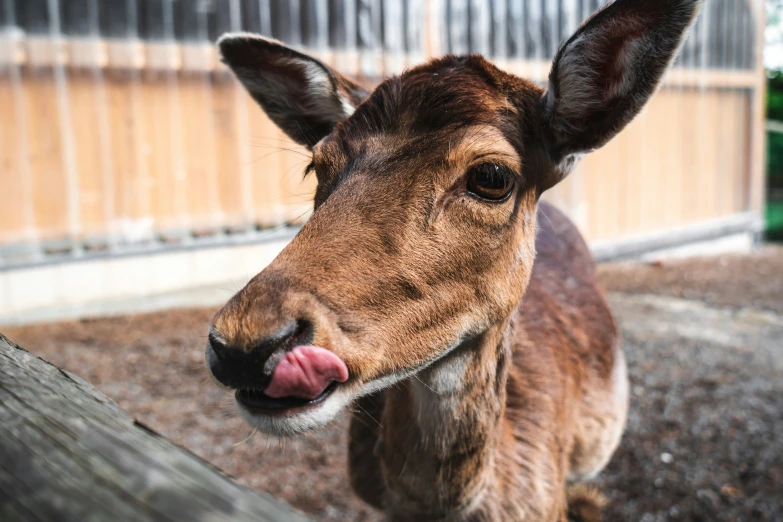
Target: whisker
x,y
426,385
368,414
253,431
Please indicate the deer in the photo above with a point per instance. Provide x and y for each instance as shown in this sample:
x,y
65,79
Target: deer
x,y
432,292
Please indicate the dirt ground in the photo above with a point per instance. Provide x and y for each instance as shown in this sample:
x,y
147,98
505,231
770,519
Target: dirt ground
x,y
704,342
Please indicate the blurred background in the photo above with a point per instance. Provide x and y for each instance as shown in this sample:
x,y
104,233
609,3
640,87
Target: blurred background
x,y
773,61
134,166
141,187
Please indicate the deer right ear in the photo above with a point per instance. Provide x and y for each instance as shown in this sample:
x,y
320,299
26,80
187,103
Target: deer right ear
x,y
606,72
301,94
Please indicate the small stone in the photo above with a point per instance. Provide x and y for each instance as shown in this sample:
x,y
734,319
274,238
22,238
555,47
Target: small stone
x,y
667,458
708,497
730,491
638,391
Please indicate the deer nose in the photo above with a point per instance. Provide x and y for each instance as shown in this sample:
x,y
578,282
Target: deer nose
x,y
240,367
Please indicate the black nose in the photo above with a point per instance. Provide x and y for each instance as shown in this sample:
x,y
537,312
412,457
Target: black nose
x,y
245,368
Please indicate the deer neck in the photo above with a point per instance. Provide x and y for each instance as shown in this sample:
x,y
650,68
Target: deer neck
x,y
441,428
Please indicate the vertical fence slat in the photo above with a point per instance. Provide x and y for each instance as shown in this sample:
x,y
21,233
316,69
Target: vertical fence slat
x,y
136,191
39,99
66,137
535,30
688,111
415,27
393,37
435,37
758,140
551,13
232,198
44,148
370,38
479,24
725,144
517,29
705,198
12,171
458,26
499,31
735,100
90,126
346,38
322,24
18,216
241,106
196,116
104,129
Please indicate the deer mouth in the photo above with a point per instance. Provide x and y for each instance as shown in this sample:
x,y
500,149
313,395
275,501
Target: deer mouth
x,y
258,402
304,377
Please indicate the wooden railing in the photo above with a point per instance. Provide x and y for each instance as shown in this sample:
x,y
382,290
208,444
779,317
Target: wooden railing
x,y
69,453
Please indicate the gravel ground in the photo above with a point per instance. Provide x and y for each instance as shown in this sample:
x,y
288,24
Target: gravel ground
x,y
704,341
735,281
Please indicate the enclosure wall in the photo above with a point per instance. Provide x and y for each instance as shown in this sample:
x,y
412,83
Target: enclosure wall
x,y
109,139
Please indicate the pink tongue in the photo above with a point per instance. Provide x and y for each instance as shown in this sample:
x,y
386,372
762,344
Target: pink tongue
x,y
305,372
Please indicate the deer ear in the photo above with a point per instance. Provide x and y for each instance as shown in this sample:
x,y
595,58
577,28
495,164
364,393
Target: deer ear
x,y
302,95
607,71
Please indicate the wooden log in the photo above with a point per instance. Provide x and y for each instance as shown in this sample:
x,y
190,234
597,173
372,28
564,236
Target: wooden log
x,y
68,453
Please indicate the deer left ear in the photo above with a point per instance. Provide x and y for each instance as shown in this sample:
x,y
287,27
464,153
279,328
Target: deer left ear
x,y
301,94
603,76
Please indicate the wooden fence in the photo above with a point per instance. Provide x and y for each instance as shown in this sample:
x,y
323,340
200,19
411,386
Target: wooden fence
x,y
119,126
70,454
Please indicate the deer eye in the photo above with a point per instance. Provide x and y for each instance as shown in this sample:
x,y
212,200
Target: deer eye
x,y
490,181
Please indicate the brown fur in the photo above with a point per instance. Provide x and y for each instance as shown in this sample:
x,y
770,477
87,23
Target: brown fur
x,y
562,344
483,358
585,504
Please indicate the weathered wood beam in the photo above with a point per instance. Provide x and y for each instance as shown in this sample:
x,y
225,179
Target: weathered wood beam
x,y
68,453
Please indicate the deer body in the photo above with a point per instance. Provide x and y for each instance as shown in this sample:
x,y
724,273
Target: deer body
x,y
495,429
430,288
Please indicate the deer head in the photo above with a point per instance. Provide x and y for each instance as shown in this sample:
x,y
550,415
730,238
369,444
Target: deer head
x,y
422,237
